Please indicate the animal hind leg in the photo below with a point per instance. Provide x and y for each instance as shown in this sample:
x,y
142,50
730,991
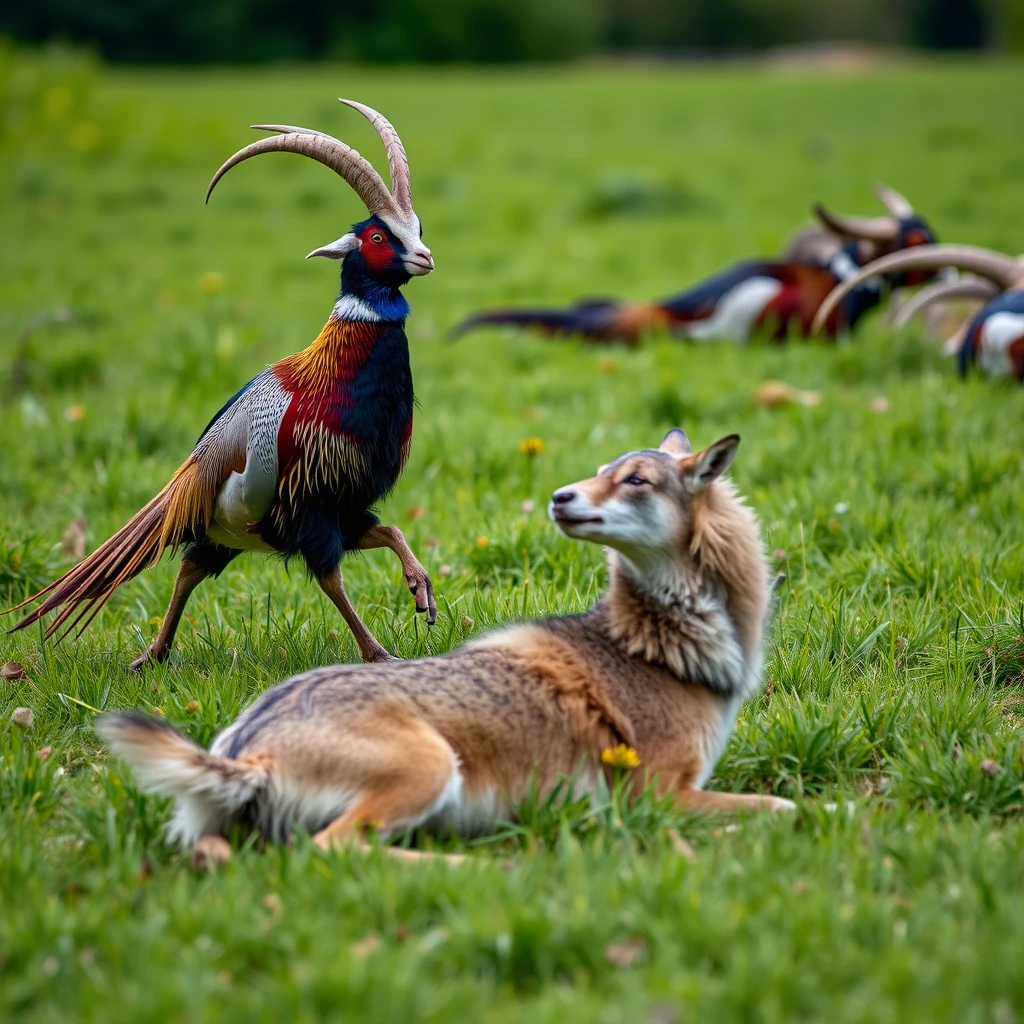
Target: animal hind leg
x,y
701,801
380,536
369,646
198,562
411,770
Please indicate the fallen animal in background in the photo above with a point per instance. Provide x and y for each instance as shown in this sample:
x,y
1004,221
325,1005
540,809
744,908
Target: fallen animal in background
x,y
294,462
771,298
649,680
994,336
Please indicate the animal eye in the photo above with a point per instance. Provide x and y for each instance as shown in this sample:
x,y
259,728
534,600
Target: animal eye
x,y
635,480
376,237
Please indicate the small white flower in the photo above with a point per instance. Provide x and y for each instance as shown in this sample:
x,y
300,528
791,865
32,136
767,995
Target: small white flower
x,y
842,507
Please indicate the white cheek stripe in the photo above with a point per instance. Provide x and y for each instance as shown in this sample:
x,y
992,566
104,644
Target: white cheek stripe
x,y
737,311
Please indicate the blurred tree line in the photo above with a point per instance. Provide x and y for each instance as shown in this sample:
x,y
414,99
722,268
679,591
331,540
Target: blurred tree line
x,y
491,31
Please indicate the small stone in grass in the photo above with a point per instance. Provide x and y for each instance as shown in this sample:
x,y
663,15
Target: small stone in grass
x,y
44,752
879,404
210,852
527,507
22,718
990,767
12,671
625,954
445,570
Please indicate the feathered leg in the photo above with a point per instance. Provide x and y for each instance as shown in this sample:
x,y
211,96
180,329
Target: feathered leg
x,y
379,536
198,562
369,647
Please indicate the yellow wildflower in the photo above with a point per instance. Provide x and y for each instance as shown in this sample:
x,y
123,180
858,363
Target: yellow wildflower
x,y
211,282
531,446
621,757
482,542
85,137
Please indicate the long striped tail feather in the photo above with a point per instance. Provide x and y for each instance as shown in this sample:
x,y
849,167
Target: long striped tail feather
x,y
592,319
163,524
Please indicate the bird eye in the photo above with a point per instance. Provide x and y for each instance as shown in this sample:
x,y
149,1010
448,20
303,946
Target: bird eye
x,y
635,480
376,237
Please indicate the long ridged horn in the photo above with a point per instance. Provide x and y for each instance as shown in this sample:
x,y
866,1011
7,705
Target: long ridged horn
x,y
994,266
965,288
398,162
897,205
342,159
871,229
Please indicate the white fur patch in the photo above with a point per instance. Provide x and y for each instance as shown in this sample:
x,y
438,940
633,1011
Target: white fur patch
x,y
713,743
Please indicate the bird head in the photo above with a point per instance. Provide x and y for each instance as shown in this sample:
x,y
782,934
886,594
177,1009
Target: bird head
x,y
901,228
387,246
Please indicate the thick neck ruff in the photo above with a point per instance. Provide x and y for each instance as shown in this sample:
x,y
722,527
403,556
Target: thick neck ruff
x,y
686,630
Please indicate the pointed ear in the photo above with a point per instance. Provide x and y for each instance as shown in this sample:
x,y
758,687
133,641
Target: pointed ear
x,y
676,443
339,249
708,465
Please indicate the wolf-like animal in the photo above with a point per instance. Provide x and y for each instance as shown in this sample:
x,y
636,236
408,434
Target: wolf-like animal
x,y
661,664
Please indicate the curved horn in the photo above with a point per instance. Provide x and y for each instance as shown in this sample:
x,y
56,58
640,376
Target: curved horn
x,y
966,288
994,266
871,229
325,149
896,204
398,162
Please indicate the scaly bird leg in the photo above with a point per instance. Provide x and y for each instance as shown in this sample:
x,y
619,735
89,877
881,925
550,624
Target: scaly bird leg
x,y
190,576
380,536
369,648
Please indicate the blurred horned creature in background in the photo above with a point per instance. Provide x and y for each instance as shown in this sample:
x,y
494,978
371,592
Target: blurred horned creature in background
x,y
994,337
771,298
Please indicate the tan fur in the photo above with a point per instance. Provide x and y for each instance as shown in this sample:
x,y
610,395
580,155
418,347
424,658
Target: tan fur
x,y
660,664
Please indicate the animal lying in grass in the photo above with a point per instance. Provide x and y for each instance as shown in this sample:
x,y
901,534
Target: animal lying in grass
x,y
661,665
296,460
770,298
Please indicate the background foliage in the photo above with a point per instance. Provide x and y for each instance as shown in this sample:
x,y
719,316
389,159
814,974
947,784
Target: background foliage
x,y
895,673
488,31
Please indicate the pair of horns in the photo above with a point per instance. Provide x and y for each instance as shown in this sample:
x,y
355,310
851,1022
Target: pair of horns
x,y
395,202
871,229
1002,270
943,291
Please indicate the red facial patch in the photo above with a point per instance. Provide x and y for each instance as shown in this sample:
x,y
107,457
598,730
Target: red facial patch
x,y
376,250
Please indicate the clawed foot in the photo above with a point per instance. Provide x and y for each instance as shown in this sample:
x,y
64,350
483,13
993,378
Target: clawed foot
x,y
422,589
153,656
376,654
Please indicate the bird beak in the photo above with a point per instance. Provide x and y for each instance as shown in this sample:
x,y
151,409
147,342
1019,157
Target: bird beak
x,y
419,262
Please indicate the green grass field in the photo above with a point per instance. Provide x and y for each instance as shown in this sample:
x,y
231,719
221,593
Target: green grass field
x,y
895,671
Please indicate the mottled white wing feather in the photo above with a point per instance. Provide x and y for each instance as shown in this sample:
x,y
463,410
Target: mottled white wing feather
x,y
252,424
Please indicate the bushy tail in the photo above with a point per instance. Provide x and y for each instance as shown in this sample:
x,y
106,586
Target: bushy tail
x,y
207,789
165,522
595,319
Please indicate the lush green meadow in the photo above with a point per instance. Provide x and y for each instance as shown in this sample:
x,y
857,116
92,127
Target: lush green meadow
x,y
895,671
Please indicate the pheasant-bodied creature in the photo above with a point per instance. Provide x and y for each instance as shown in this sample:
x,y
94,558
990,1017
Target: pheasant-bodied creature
x,y
994,337
771,298
296,460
